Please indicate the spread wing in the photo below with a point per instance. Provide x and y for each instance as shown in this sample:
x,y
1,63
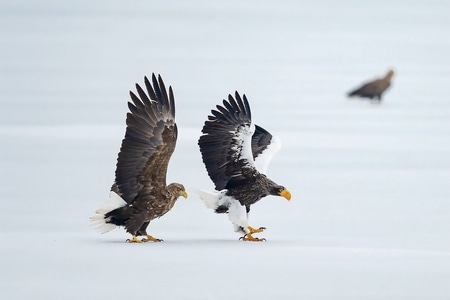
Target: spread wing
x,y
264,147
232,146
226,142
149,142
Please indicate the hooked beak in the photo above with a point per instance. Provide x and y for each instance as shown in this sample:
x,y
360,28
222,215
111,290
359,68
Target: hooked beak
x,y
286,194
184,194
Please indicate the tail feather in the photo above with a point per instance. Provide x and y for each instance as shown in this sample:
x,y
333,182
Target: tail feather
x,y
222,203
210,199
98,221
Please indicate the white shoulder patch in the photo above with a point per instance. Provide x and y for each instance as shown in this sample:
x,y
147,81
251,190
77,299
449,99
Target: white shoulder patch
x,y
245,135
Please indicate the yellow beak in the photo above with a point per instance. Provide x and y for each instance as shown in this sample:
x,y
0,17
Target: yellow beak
x,y
184,194
286,194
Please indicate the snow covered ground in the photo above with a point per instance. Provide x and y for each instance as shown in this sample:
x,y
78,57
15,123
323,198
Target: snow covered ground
x,y
370,212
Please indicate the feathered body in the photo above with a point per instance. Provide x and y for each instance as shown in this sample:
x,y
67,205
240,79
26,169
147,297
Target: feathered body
x,y
142,163
236,154
373,89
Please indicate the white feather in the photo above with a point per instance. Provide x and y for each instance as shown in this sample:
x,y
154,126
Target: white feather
x,y
98,221
210,199
262,161
237,213
244,135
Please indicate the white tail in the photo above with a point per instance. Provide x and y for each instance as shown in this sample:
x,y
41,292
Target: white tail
x,y
210,199
237,213
98,221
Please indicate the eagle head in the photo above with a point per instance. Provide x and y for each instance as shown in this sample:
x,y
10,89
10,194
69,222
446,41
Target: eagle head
x,y
281,191
177,190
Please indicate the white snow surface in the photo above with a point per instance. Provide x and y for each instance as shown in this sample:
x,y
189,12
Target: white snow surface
x,y
370,211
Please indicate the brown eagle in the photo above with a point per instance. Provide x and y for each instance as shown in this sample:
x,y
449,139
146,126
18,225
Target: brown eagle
x,y
373,89
236,154
139,193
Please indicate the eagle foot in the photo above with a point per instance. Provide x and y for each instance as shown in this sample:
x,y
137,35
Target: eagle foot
x,y
149,238
134,239
249,237
256,230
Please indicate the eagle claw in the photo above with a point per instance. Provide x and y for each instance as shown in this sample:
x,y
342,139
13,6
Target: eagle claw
x,y
149,238
155,240
134,239
249,237
255,230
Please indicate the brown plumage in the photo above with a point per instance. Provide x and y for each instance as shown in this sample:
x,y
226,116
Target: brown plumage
x,y
236,154
373,89
140,180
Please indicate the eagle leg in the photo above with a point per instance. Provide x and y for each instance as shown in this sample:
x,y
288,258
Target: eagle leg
x,y
134,239
149,238
256,230
249,237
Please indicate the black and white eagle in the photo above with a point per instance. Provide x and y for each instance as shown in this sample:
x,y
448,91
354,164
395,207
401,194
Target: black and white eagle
x,y
236,154
140,193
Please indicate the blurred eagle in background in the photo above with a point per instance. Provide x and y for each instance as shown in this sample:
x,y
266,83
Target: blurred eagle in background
x,y
139,193
236,154
373,89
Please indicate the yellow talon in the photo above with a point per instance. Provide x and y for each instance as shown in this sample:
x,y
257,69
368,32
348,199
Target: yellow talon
x,y
255,230
249,237
149,238
134,239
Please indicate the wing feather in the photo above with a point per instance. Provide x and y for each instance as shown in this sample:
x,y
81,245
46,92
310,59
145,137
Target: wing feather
x,y
264,147
143,97
149,88
149,141
226,142
172,102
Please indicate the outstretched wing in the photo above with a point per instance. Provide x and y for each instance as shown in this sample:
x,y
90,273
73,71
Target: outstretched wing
x,y
149,141
226,143
264,147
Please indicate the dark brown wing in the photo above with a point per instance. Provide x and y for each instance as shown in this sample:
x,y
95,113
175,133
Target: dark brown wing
x,y
149,141
226,142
